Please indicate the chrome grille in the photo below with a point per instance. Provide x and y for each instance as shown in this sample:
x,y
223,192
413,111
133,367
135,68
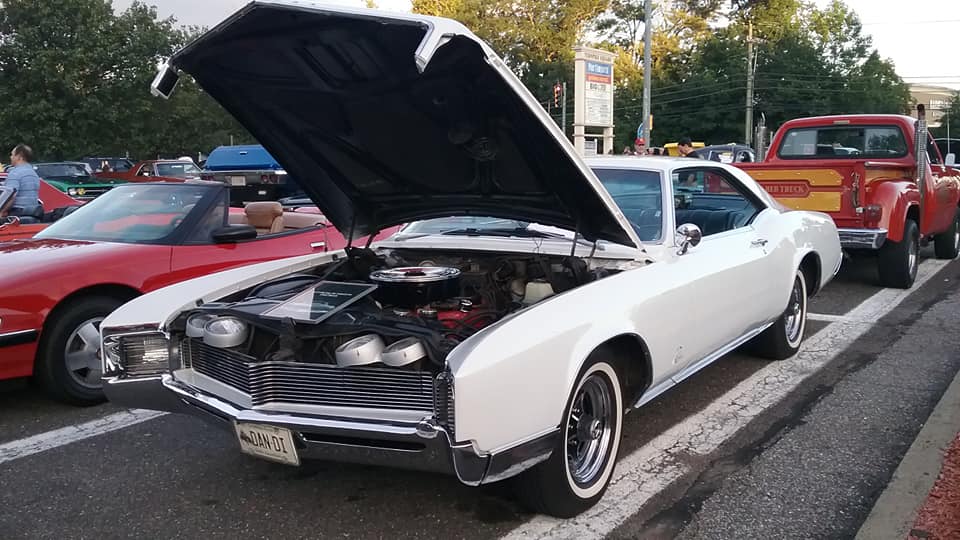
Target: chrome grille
x,y
312,384
225,366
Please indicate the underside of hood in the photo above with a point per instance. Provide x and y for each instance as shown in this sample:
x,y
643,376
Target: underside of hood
x,y
385,118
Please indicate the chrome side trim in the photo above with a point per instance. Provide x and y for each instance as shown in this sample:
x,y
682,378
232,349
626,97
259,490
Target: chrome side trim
x,y
862,238
655,392
18,338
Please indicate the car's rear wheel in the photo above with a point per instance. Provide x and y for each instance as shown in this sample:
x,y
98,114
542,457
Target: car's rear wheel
x,y
782,340
579,470
946,245
68,360
898,261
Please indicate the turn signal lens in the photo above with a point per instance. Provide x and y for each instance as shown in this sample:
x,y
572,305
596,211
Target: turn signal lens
x,y
871,215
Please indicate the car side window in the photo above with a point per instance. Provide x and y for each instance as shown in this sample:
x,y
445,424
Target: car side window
x,y
216,217
933,152
713,200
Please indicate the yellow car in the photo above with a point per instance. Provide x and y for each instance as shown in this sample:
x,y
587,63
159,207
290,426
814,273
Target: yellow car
x,y
671,148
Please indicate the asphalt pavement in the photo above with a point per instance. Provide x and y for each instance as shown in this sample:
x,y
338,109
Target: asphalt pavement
x,y
809,464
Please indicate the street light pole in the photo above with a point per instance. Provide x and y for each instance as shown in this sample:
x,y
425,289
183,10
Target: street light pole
x,y
748,123
647,69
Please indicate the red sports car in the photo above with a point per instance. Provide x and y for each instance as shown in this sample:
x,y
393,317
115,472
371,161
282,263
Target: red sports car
x,y
57,286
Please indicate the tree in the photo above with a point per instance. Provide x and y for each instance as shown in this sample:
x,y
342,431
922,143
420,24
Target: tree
x,y
75,77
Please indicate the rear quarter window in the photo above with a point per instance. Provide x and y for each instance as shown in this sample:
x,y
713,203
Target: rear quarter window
x,y
840,142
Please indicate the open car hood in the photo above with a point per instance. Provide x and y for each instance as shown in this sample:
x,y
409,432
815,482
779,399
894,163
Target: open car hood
x,y
384,118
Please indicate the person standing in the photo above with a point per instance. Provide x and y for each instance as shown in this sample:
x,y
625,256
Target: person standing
x,y
685,147
24,179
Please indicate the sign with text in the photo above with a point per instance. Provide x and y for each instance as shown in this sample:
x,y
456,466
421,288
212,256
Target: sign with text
x,y
593,88
598,94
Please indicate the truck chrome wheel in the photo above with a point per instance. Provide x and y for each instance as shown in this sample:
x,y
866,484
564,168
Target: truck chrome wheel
x,y
913,257
82,354
589,430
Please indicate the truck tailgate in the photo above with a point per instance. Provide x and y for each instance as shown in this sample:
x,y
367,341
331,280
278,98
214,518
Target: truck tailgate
x,y
816,187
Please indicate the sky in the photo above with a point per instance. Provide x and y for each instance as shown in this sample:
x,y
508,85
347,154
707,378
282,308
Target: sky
x,y
919,36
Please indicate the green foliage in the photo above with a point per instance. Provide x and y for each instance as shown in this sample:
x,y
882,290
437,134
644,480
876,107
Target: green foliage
x,y
75,80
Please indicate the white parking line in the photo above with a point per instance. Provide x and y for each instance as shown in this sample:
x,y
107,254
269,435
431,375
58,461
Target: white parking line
x,y
66,435
827,317
651,468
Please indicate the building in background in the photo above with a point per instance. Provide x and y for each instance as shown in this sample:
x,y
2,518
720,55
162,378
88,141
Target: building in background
x,y
935,98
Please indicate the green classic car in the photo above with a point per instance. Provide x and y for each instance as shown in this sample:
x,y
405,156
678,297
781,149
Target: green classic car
x,y
75,178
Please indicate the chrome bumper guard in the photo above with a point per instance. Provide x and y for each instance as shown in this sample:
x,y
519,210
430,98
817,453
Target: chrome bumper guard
x,y
423,445
862,238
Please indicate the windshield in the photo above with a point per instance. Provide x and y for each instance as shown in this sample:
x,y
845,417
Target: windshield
x,y
638,193
55,170
843,142
131,213
181,169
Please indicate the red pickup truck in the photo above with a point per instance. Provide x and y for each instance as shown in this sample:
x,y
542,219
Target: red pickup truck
x,y
880,177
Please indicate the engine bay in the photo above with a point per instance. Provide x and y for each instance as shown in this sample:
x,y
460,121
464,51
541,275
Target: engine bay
x,y
391,308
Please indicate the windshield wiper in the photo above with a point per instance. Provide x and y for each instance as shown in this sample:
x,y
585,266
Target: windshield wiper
x,y
517,232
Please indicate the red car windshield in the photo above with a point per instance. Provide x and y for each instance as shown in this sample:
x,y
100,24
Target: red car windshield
x,y
134,214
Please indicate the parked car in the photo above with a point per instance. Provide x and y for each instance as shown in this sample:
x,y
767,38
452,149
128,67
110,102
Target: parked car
x,y
55,204
117,164
75,178
133,239
156,170
536,299
250,170
865,171
728,153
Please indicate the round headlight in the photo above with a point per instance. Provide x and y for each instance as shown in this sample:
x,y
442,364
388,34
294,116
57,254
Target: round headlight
x,y
225,332
71,191
403,352
361,351
196,322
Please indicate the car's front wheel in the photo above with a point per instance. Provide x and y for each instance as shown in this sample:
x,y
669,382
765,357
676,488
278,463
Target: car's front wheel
x,y
579,470
68,361
782,340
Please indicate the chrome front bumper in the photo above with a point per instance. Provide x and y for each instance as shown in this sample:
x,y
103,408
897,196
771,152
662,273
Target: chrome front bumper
x,y
862,238
423,445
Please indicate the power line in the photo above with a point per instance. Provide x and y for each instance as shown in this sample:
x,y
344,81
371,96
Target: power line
x,y
879,23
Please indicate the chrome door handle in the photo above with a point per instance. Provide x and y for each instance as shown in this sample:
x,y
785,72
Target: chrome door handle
x,y
758,243
317,245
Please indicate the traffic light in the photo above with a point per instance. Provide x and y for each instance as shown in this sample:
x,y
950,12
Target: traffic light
x,y
557,90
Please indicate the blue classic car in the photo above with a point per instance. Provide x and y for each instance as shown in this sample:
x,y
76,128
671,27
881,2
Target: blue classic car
x,y
252,173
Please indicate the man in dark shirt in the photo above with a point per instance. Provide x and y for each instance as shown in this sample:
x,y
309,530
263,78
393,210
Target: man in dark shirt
x,y
685,147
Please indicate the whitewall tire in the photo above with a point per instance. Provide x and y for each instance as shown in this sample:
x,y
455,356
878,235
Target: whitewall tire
x,y
579,470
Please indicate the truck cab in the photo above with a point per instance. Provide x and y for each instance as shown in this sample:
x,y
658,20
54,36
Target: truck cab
x,y
880,177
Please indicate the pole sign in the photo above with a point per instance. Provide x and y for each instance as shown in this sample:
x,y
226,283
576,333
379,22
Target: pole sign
x,y
593,97
598,94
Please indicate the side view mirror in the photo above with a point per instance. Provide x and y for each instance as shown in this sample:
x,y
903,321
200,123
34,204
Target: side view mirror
x,y
688,236
950,160
234,233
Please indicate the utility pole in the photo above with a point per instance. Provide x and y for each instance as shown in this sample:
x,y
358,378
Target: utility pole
x,y
748,127
563,109
647,69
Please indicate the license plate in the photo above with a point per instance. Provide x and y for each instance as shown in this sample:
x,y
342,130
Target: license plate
x,y
268,442
237,180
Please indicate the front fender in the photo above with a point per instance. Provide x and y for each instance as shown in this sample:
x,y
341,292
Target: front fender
x,y
895,197
512,380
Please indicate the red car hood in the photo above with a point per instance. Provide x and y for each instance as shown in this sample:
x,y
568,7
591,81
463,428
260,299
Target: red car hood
x,y
32,257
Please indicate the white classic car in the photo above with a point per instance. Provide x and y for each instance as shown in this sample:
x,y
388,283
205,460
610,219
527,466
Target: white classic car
x,y
534,298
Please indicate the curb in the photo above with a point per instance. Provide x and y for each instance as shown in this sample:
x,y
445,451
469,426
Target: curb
x,y
894,513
